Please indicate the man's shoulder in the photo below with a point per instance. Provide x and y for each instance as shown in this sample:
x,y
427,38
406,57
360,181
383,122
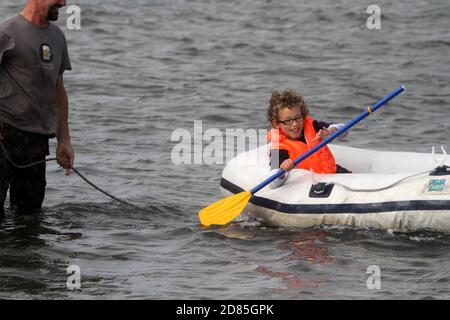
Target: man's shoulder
x,y
6,24
58,33
57,29
6,31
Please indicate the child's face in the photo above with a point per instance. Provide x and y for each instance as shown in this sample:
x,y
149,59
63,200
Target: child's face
x,y
290,122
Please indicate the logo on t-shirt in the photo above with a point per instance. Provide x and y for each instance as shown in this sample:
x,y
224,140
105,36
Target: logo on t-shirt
x,y
46,53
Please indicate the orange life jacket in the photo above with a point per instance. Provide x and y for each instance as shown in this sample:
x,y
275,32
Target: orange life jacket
x,y
322,161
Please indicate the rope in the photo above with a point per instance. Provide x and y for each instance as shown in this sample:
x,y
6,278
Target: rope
x,y
5,152
382,188
104,192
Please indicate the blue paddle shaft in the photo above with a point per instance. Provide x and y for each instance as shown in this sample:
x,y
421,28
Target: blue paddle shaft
x,y
330,138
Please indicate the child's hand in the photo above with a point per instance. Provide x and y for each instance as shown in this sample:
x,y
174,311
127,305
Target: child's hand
x,y
287,165
324,132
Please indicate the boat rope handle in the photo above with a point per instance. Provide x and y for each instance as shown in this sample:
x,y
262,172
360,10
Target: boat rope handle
x,y
382,188
444,158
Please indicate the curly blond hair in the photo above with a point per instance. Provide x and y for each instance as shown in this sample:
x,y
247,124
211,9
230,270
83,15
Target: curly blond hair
x,y
286,99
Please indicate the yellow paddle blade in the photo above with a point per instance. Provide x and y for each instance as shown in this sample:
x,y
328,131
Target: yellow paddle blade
x,y
225,210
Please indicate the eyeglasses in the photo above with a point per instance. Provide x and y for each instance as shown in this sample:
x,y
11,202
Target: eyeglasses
x,y
289,122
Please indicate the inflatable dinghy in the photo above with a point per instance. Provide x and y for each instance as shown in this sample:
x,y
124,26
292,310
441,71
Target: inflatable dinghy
x,y
400,191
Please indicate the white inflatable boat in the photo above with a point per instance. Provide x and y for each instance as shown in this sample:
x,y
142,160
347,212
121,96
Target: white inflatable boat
x,y
401,191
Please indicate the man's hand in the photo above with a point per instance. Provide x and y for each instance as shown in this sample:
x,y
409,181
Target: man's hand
x,y
65,156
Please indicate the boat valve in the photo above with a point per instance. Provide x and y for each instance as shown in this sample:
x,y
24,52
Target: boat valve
x,y
321,190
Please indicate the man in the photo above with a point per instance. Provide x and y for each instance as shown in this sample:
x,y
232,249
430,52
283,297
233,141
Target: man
x,y
33,102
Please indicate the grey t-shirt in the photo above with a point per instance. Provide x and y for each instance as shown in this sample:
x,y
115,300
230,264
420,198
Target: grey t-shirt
x,y
31,61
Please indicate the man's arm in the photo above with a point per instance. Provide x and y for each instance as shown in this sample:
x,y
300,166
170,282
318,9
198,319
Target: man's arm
x,y
64,152
6,44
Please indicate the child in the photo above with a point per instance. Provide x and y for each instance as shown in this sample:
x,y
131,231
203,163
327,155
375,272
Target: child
x,y
293,133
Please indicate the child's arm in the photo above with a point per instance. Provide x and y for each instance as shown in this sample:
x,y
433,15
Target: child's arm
x,y
277,157
324,130
338,126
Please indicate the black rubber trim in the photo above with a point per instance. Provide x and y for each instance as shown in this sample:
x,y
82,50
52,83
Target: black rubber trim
x,y
441,171
361,208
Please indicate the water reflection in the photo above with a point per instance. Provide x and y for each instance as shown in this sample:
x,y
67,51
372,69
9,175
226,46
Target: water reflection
x,y
26,265
21,230
304,246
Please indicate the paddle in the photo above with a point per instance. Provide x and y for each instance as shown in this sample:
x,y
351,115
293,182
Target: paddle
x,y
227,209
